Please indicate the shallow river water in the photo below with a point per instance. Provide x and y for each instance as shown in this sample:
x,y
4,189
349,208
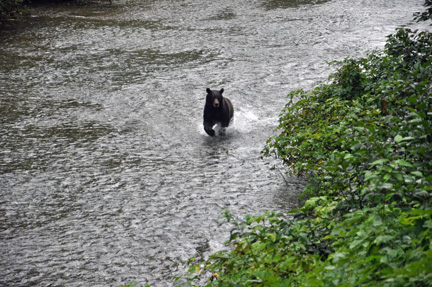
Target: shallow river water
x,y
106,174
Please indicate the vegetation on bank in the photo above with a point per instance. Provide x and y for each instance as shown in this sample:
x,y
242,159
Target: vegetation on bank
x,y
13,9
364,141
10,8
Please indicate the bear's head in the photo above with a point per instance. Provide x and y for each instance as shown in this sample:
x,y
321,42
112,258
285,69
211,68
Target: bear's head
x,y
214,98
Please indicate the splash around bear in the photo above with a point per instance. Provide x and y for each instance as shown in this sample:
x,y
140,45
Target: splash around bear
x,y
217,109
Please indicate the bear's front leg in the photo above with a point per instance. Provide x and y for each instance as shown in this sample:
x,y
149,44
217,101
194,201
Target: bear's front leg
x,y
208,127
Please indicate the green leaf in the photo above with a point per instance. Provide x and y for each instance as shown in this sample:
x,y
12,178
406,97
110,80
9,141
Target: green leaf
x,y
399,138
355,243
383,239
330,267
403,163
428,224
377,221
380,161
398,176
417,173
387,176
272,236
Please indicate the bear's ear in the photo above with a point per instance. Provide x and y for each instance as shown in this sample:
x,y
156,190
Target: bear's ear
x,y
221,91
208,91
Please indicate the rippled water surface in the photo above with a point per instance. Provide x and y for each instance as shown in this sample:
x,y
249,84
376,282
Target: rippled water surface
x,y
106,174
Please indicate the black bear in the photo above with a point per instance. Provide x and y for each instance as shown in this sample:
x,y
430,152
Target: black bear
x,y
217,109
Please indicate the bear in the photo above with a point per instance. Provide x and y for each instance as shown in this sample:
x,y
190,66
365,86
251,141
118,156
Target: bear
x,y
217,109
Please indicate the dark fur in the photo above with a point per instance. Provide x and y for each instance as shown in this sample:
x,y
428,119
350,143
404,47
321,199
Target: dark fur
x,y
218,109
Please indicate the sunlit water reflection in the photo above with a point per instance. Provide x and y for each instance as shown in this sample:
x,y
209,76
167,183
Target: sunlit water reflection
x,y
106,174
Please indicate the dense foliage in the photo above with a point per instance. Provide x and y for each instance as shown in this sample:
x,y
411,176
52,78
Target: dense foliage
x,y
426,15
9,8
364,141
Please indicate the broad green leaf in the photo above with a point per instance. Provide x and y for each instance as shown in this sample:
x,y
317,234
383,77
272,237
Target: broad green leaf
x,y
330,267
380,161
403,163
383,239
398,176
417,173
398,138
428,224
377,221
387,176
355,243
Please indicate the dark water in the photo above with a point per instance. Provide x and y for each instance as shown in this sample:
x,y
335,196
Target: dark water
x,y
106,174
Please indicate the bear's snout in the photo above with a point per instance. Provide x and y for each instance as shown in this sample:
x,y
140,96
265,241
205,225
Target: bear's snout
x,y
216,103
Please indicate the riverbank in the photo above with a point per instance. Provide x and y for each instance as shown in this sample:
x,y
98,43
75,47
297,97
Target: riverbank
x,y
364,141
14,10
11,9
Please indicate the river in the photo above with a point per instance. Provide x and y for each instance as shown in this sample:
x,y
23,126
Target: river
x,y
106,173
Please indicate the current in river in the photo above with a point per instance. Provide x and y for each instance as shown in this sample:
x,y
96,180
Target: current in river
x,y
106,173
